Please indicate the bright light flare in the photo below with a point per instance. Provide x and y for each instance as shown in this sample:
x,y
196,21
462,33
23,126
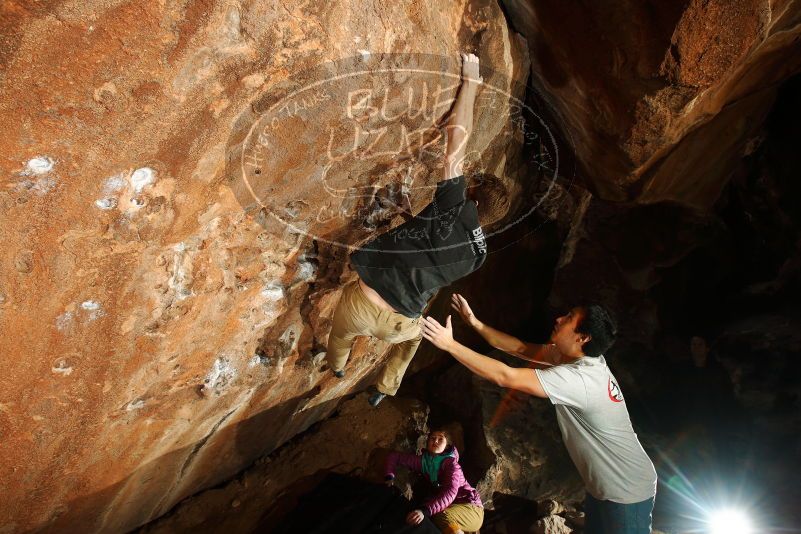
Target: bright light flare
x,y
729,521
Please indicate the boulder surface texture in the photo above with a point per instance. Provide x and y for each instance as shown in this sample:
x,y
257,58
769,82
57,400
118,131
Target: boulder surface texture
x,y
162,316
182,181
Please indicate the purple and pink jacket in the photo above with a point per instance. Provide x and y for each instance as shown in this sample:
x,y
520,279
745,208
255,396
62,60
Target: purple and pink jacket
x,y
452,486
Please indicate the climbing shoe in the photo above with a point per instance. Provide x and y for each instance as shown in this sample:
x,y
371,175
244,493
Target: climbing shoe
x,y
376,398
339,374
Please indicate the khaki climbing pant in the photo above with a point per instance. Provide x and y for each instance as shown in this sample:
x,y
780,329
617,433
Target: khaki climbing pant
x,y
357,316
456,517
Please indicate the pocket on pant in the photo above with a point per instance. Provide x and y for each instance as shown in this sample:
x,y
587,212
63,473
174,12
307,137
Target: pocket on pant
x,y
400,330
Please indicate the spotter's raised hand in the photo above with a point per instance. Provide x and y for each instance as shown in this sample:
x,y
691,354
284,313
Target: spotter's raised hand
x,y
440,336
459,303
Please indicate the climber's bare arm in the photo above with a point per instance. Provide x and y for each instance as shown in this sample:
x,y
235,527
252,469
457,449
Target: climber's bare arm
x,y
503,375
460,121
457,129
543,355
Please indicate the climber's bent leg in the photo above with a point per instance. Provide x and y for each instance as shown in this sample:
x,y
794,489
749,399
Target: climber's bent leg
x,y
351,319
405,342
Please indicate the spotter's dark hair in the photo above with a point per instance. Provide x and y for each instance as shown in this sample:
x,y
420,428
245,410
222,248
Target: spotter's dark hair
x,y
598,323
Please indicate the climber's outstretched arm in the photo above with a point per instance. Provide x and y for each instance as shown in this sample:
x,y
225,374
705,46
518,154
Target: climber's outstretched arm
x,y
460,122
524,380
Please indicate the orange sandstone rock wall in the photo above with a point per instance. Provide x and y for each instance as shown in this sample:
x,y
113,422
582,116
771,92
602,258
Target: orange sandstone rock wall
x,y
160,315
660,99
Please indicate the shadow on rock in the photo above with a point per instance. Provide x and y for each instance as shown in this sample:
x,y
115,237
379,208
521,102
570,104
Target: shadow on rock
x,y
345,505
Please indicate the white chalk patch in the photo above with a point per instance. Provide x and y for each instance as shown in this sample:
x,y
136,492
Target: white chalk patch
x,y
39,165
114,184
357,39
273,292
319,358
135,405
279,366
365,53
231,28
181,278
26,184
142,178
64,321
61,367
254,361
222,372
90,305
106,203
287,339
306,271
93,307
42,186
294,208
253,81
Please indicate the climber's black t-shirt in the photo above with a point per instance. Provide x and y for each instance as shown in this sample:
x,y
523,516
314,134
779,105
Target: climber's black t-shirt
x,y
443,243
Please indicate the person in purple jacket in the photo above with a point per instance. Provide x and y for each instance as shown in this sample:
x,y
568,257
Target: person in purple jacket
x,y
455,507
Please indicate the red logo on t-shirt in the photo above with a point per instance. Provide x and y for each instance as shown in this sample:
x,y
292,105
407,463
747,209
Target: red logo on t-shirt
x,y
615,395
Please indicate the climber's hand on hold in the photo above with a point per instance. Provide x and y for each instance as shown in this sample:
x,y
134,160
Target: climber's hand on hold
x,y
470,70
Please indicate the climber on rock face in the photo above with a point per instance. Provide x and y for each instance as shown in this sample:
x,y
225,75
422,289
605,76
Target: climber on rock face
x,y
401,270
571,371
455,506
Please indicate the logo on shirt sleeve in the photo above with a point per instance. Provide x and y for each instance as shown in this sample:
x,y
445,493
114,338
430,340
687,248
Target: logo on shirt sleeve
x,y
478,240
615,395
